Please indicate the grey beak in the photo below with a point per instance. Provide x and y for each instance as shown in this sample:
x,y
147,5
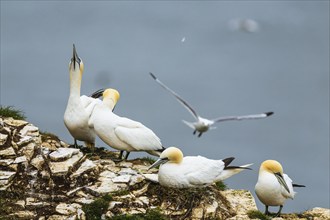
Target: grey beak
x,y
158,162
282,181
75,58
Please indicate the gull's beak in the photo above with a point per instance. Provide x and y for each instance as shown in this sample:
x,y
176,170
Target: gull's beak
x,y
158,162
282,181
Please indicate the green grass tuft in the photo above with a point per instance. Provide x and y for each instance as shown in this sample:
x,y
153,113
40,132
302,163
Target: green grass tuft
x,y
149,160
10,111
258,215
126,217
120,193
154,214
95,209
47,135
221,186
151,214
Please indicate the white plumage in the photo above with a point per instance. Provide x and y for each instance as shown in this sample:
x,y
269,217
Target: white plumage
x,y
122,133
79,108
273,186
192,171
201,124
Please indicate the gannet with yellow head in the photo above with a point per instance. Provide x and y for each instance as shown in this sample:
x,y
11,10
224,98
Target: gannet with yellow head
x,y
79,108
192,171
122,133
274,186
201,124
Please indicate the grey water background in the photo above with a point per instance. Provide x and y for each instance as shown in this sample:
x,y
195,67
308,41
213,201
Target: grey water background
x,y
283,67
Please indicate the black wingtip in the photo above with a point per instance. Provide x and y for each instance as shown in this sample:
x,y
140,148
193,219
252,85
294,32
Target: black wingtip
x,y
269,113
246,168
97,93
237,167
161,150
298,185
152,75
228,160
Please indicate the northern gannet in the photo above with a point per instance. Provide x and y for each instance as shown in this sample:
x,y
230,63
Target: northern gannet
x,y
274,186
183,172
122,133
201,124
79,108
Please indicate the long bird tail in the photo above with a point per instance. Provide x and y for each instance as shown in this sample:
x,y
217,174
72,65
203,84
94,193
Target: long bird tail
x,y
229,171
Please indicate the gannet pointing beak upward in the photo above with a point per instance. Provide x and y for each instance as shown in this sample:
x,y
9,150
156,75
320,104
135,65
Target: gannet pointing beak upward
x,y
76,61
183,172
122,133
201,124
79,108
274,186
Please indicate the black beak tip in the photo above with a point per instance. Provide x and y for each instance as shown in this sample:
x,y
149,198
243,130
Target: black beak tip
x,y
74,51
269,113
152,75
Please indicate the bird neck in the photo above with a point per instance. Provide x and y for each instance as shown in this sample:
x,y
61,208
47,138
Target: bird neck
x,y
109,103
75,84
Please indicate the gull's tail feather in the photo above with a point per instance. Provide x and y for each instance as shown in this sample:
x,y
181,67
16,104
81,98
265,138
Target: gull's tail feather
x,y
232,170
190,124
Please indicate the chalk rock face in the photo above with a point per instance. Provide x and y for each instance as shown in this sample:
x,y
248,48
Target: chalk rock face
x,y
41,177
241,201
318,213
63,154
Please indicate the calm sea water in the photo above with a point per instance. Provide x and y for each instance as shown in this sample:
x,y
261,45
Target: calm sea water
x,y
282,67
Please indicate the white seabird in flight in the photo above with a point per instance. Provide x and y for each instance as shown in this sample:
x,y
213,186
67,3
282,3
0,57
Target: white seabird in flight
x,y
122,133
274,186
192,171
79,108
201,124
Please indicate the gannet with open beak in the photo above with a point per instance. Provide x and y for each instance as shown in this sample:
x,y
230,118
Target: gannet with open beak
x,y
273,186
184,172
79,108
201,124
122,133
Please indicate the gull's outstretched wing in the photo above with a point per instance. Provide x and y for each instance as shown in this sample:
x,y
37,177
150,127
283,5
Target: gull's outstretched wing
x,y
243,117
183,102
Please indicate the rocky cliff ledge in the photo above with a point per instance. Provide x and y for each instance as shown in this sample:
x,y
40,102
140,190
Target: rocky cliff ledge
x,y
42,178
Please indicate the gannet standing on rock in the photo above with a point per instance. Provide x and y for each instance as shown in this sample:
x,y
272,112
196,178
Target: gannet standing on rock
x,y
183,172
79,108
122,133
274,186
201,124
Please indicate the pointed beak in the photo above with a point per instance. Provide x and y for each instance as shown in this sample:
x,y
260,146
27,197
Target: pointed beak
x,y
158,162
75,58
282,181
